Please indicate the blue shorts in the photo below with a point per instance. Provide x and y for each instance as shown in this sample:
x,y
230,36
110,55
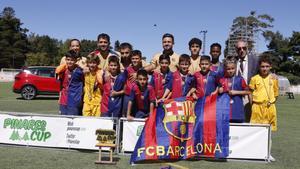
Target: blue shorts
x,y
67,110
141,114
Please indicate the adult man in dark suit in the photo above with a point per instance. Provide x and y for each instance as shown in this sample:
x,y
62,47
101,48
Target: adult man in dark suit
x,y
247,66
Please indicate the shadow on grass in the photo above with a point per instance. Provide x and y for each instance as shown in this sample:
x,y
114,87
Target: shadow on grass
x,y
172,161
42,98
105,154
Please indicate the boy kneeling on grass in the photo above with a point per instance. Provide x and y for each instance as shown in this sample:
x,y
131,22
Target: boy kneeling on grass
x,y
142,96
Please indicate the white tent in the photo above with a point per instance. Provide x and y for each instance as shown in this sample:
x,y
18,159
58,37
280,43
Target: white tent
x,y
284,85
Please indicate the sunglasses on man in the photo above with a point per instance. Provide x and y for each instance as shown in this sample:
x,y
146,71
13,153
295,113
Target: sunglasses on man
x,y
240,48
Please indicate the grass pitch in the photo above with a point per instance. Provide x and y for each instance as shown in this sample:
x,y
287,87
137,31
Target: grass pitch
x,y
285,142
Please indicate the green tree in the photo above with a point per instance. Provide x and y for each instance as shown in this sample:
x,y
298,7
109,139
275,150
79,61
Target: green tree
x,y
117,45
278,44
37,59
87,46
294,44
13,40
247,28
45,46
287,50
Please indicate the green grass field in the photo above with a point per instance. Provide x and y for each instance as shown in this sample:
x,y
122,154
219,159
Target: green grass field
x,y
285,142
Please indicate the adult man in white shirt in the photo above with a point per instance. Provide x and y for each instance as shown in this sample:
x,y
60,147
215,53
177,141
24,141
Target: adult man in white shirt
x,y
247,66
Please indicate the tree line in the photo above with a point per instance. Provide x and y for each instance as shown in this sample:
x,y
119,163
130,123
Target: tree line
x,y
20,48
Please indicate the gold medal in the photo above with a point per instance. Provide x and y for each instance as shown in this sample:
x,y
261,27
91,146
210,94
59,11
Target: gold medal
x,y
267,91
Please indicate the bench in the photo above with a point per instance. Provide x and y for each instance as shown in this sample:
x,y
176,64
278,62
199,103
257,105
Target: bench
x,y
110,161
290,95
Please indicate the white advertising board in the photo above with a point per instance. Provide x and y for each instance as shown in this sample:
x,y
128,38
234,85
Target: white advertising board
x,y
247,141
61,132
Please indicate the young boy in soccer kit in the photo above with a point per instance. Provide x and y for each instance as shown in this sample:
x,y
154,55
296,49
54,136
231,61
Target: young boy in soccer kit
x,y
71,77
92,87
142,97
217,66
195,48
113,89
205,79
136,64
161,79
182,80
264,87
235,86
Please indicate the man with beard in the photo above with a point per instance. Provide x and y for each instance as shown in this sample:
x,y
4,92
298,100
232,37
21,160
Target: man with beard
x,y
103,50
167,43
125,50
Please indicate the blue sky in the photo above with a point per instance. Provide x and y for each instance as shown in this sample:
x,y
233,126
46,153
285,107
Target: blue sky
x,y
133,20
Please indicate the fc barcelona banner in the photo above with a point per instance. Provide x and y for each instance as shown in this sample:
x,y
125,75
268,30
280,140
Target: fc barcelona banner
x,y
179,129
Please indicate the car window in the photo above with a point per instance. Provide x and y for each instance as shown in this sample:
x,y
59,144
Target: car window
x,y
46,72
33,70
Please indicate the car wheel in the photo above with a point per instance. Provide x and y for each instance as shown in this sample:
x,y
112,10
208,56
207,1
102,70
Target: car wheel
x,y
28,92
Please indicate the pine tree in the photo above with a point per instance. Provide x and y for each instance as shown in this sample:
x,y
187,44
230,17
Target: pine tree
x,y
13,40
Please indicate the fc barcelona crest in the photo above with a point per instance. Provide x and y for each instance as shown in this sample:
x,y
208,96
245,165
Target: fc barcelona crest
x,y
179,119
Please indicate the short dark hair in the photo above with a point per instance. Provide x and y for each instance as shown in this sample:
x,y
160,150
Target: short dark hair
x,y
229,60
168,35
104,36
72,54
215,45
184,58
195,41
264,58
74,40
114,58
93,58
164,57
125,45
142,72
205,57
136,52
